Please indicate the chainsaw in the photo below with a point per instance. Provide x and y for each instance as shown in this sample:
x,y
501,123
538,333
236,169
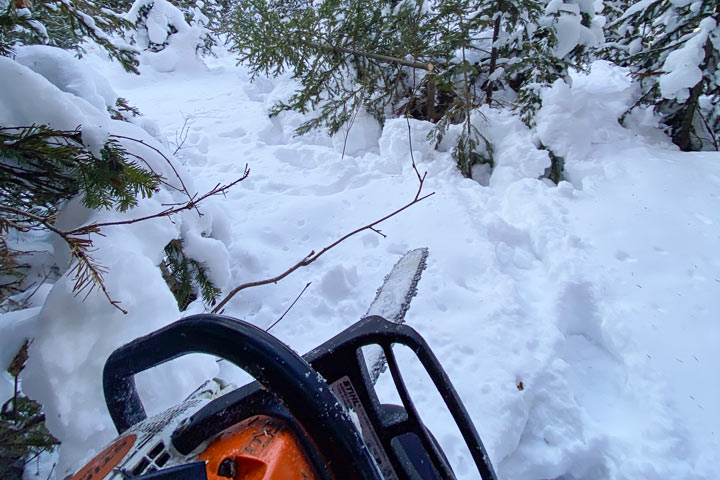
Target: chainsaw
x,y
306,418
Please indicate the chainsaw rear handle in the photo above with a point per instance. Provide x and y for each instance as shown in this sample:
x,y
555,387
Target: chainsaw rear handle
x,y
281,371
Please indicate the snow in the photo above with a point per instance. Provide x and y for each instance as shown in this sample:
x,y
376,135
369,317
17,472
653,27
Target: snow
x,y
63,70
578,322
682,65
569,29
167,42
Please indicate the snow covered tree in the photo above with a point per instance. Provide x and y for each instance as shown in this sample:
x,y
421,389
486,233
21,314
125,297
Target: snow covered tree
x,y
66,25
160,22
528,44
672,48
506,51
41,165
347,54
435,61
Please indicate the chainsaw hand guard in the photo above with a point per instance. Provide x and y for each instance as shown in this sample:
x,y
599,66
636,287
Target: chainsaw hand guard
x,y
307,396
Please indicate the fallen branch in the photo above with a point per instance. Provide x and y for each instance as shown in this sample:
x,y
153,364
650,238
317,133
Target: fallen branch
x,y
191,203
381,58
312,256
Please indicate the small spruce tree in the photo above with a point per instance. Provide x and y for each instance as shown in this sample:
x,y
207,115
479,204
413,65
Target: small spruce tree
x,y
673,50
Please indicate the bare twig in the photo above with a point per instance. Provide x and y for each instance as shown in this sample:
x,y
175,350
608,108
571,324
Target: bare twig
x,y
313,255
468,125
290,307
192,203
350,124
167,160
421,178
181,137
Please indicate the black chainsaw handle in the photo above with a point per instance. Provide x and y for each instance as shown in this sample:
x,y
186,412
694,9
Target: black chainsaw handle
x,y
281,371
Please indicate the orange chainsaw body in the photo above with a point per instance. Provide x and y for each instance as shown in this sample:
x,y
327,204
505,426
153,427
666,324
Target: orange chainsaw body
x,y
259,448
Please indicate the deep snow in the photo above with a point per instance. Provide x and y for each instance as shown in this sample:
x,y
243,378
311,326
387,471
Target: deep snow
x,y
578,322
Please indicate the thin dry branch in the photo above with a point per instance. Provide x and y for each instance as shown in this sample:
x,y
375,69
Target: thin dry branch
x,y
181,137
313,255
307,285
167,160
192,203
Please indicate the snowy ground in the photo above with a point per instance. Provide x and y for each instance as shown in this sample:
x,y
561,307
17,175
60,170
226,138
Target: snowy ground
x,y
579,322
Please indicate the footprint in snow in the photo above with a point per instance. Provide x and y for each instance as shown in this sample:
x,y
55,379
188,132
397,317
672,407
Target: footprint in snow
x,y
234,133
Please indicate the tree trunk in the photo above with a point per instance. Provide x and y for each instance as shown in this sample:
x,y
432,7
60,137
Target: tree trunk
x,y
684,129
494,51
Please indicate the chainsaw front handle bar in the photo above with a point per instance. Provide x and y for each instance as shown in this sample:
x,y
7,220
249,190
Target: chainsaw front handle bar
x,y
306,395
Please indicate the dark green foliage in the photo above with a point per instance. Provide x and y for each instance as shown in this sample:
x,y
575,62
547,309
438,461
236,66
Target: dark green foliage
x,y
642,38
65,25
341,51
556,171
23,434
436,61
186,277
40,167
473,149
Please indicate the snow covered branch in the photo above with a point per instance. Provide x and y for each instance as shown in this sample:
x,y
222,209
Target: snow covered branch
x,y
87,273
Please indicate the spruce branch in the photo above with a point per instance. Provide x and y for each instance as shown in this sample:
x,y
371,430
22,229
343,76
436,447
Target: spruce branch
x,y
87,273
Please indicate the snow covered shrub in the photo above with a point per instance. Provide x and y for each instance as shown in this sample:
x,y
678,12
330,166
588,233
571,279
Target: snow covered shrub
x,y
673,49
155,22
207,15
186,277
159,24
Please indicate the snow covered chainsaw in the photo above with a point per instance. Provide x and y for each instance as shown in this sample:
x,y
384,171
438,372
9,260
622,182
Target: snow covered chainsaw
x,y
305,418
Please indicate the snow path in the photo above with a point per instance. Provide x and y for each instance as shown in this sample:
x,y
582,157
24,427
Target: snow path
x,y
556,311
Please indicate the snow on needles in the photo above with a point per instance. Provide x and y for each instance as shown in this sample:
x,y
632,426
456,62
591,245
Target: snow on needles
x,y
578,322
682,66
